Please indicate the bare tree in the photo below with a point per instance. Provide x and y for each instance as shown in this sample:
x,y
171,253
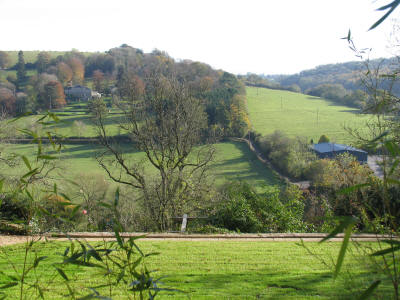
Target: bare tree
x,y
168,124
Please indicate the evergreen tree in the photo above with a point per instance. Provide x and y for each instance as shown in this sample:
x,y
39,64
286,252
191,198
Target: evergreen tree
x,y
21,72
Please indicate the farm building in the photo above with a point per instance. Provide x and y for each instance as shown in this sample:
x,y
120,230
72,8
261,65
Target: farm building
x,y
78,92
330,150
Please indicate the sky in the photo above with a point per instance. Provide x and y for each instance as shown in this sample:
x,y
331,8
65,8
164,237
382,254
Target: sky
x,y
257,36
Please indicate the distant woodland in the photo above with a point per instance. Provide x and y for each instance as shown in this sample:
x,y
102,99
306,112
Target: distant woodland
x,y
341,83
37,83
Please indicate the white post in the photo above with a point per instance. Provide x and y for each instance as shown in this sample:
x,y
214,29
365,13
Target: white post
x,y
184,222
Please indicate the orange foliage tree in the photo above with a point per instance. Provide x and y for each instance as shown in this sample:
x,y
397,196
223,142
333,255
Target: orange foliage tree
x,y
78,70
98,80
64,73
53,95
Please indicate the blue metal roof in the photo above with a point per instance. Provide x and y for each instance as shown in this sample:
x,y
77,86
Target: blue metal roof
x,y
331,147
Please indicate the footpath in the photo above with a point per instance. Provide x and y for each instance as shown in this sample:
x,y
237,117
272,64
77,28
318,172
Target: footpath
x,y
265,161
261,237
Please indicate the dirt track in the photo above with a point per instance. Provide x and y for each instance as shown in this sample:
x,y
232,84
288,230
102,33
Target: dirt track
x,y
266,237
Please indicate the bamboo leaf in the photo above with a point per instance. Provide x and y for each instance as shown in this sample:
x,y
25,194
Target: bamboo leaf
x,y
343,249
26,161
8,285
368,292
38,260
346,222
386,251
353,188
62,273
116,199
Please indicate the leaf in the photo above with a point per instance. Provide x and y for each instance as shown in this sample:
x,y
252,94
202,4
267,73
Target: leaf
x,y
368,292
353,188
393,148
38,260
394,166
46,157
348,37
1,184
391,6
61,272
8,285
343,249
386,251
116,199
94,253
30,173
26,161
65,196
118,237
346,221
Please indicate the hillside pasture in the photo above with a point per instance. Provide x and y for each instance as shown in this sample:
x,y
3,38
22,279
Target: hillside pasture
x,y
301,115
233,161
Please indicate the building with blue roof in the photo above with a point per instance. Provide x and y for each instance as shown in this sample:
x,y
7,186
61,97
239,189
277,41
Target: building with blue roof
x,y
330,150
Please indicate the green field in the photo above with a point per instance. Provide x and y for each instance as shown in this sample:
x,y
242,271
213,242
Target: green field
x,y
233,161
301,115
218,270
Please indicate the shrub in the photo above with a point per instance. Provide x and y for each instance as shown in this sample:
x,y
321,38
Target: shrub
x,y
244,210
323,139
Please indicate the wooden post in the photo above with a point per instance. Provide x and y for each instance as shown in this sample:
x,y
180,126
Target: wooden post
x,y
184,222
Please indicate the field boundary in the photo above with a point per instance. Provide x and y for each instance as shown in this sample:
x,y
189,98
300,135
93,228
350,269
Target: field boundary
x,y
264,160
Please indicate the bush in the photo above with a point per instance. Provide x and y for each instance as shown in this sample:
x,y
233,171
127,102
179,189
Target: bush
x,y
14,214
291,156
323,139
243,210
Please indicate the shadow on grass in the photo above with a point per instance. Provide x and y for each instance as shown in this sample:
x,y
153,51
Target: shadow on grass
x,y
256,169
264,284
89,150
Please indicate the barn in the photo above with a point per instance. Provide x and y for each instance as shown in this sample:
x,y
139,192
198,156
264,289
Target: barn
x,y
330,150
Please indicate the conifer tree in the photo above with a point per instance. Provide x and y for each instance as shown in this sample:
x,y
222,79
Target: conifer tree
x,y
21,72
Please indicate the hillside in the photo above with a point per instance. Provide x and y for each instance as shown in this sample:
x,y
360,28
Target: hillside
x,y
300,115
347,74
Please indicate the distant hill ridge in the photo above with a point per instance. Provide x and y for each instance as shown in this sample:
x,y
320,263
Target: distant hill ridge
x,y
347,74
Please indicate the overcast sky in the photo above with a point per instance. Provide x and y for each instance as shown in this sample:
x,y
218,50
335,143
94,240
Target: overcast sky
x,y
264,36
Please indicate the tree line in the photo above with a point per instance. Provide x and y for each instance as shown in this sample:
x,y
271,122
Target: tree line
x,y
114,73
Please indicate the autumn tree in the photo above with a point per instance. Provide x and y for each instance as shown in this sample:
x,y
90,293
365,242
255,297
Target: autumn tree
x,y
64,73
21,72
167,125
98,80
52,95
7,101
4,60
42,62
78,70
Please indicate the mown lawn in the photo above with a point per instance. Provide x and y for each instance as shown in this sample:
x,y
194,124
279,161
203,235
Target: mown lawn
x,y
218,270
301,115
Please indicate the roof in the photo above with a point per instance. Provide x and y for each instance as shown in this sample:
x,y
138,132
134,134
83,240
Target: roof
x,y
331,147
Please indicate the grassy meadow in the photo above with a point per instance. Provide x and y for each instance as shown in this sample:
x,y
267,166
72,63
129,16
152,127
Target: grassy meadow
x,y
233,161
301,115
216,270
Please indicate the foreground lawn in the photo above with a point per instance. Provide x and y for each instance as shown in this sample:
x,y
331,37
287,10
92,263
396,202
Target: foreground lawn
x,y
301,115
219,270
